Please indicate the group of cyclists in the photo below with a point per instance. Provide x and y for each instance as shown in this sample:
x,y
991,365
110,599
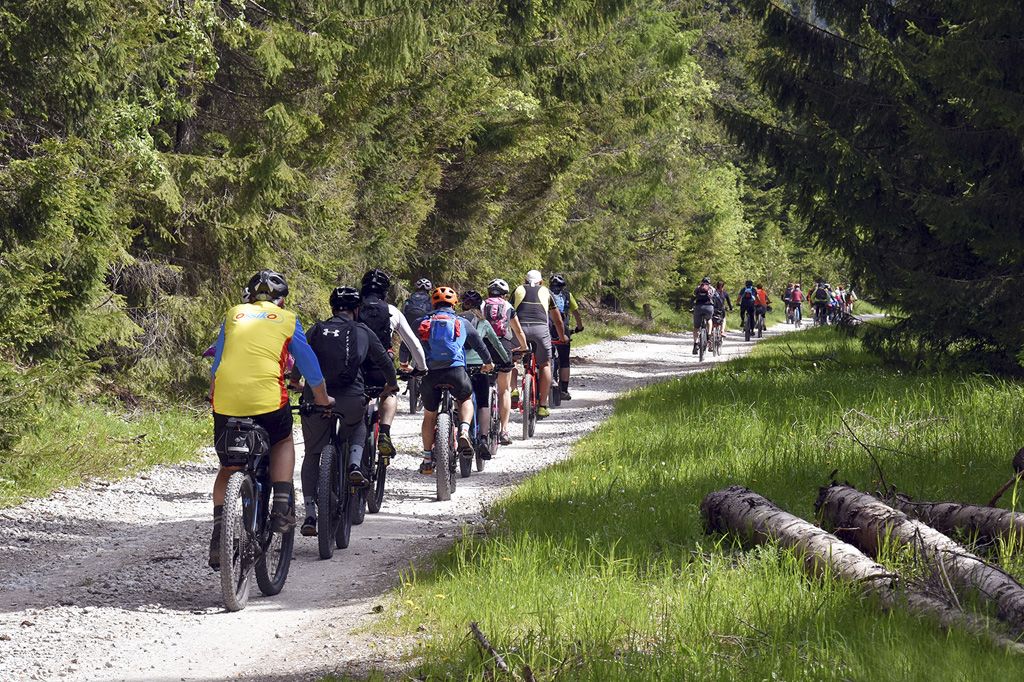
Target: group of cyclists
x,y
710,304
262,351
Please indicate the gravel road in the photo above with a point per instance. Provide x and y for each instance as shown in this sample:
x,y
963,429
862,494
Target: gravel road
x,y
108,581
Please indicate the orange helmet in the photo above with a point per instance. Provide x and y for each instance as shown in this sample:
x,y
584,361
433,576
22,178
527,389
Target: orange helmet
x,y
444,295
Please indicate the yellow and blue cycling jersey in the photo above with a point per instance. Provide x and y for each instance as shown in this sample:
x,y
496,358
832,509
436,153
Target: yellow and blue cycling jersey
x,y
252,352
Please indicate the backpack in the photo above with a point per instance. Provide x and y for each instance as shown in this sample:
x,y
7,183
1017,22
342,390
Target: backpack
x,y
820,294
443,334
704,294
376,315
494,312
334,342
416,307
747,294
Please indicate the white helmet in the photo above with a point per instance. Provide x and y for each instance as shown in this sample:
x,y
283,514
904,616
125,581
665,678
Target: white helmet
x,y
497,287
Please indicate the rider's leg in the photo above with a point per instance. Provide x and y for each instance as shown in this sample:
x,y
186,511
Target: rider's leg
x,y
504,398
427,429
543,383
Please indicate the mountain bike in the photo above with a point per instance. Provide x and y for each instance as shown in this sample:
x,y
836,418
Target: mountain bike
x,y
554,393
333,494
494,428
413,389
444,449
759,321
716,336
529,402
790,315
797,315
748,325
246,543
378,468
702,341
479,437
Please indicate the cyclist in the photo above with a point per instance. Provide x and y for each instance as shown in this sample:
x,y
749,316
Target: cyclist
x,y
247,380
533,301
566,304
341,345
796,298
725,300
718,301
820,300
748,299
415,308
505,321
384,320
762,302
471,302
703,308
445,338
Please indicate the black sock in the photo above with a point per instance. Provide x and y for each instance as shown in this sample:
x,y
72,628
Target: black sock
x,y
218,513
385,429
282,497
564,385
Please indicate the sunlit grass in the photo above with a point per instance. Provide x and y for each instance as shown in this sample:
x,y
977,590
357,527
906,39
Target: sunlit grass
x,y
598,569
92,441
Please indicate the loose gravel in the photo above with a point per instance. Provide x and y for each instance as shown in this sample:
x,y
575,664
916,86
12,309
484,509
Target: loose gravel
x,y
108,581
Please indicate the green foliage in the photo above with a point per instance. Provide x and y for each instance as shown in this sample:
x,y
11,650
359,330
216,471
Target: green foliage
x,y
902,143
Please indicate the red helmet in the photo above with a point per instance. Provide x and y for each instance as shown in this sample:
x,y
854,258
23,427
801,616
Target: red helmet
x,y
444,296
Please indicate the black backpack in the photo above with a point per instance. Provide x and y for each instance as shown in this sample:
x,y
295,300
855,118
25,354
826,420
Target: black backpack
x,y
376,315
704,295
820,294
417,307
334,342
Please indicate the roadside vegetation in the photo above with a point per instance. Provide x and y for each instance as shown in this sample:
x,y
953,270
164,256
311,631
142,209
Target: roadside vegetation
x,y
598,568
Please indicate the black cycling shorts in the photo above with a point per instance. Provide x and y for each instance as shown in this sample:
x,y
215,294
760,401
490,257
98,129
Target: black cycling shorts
x,y
277,423
456,377
702,313
481,390
563,353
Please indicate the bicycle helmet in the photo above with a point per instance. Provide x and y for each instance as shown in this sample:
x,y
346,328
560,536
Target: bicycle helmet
x,y
706,280
497,287
471,299
345,298
245,294
423,284
267,285
557,283
376,281
444,296
749,283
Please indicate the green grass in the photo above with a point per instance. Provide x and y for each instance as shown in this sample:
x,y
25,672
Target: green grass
x,y
598,569
94,441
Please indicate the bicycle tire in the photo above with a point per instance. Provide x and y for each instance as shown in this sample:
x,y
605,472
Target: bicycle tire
x,y
746,328
272,567
378,476
702,343
237,549
526,402
760,325
328,501
534,406
493,430
465,465
357,500
555,392
414,395
443,455
343,534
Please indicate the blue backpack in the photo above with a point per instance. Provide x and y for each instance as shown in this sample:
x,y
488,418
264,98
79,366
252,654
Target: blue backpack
x,y
444,337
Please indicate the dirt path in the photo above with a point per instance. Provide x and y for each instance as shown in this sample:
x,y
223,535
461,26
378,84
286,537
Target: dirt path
x,y
109,581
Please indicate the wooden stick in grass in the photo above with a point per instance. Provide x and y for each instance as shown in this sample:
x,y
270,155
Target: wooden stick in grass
x,y
753,518
498,660
1018,468
867,522
987,523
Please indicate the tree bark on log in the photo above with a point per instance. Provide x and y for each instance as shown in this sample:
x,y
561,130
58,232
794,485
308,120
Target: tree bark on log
x,y
987,523
755,519
867,522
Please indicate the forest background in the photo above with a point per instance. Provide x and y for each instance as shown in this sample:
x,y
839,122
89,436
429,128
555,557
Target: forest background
x,y
154,153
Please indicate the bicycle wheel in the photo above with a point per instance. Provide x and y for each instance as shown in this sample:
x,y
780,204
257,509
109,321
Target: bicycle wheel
x,y
344,532
378,475
555,394
443,454
534,405
746,328
526,401
494,429
237,546
760,325
702,343
357,500
272,567
328,501
414,395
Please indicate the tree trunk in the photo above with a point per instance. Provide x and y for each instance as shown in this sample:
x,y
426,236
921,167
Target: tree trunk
x,y
867,522
987,523
756,519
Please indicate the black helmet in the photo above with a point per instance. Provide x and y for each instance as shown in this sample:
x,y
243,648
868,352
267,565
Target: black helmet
x,y
706,280
557,283
471,299
749,283
345,298
267,285
245,294
423,284
376,281
497,287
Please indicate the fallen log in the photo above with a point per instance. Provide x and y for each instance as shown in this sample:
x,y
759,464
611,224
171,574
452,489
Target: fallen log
x,y
868,522
755,519
985,523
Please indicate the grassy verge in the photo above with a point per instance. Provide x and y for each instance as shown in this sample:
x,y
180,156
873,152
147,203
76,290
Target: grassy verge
x,y
93,441
597,569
